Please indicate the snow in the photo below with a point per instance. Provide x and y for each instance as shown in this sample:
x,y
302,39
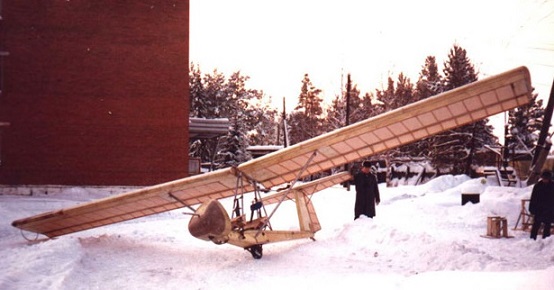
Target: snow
x,y
421,237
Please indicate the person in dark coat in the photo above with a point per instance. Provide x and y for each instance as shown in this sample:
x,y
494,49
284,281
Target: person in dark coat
x,y
367,192
541,205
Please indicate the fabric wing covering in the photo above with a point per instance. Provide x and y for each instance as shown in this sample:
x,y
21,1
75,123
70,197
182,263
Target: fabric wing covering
x,y
427,117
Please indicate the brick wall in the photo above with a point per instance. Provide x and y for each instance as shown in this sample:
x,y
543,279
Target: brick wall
x,y
96,92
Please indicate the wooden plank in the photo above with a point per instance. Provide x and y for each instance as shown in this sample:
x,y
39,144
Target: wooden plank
x,y
445,111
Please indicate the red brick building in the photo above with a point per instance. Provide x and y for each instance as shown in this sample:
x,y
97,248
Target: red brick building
x,y
93,92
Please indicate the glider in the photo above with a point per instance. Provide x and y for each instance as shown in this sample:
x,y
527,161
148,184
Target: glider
x,y
284,168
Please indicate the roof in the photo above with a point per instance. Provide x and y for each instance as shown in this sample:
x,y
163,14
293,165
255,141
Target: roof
x,y
201,128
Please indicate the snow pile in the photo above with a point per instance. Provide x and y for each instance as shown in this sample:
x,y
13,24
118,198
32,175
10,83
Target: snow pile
x,y
421,237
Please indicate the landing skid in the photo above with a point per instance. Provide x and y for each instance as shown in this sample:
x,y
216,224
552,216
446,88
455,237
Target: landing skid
x,y
256,251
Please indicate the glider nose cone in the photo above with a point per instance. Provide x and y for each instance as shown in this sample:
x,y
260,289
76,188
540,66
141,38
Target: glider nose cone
x,y
211,223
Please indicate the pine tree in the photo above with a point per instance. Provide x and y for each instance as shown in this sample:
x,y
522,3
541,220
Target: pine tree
x,y
336,113
396,95
458,69
215,99
404,91
524,125
454,149
233,146
309,99
387,99
430,80
264,125
251,109
216,96
428,84
205,101
305,120
196,92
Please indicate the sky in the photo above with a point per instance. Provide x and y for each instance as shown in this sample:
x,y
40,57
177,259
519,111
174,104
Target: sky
x,y
276,42
421,238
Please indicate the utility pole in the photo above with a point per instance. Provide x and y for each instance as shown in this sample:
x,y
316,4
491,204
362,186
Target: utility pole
x,y
347,121
285,130
348,88
283,124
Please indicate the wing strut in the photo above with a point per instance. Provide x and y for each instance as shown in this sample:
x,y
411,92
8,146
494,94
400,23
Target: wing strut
x,y
182,202
286,192
238,202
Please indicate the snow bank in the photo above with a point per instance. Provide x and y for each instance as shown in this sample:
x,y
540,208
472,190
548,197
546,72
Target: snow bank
x,y
421,237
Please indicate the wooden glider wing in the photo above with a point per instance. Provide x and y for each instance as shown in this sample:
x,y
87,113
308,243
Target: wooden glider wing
x,y
142,202
451,109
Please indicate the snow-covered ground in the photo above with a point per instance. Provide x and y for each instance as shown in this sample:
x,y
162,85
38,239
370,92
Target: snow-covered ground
x,y
422,238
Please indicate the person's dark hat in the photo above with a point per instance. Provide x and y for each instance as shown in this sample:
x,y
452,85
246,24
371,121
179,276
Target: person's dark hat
x,y
366,164
547,174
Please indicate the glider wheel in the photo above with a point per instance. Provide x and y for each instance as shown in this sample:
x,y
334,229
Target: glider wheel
x,y
256,251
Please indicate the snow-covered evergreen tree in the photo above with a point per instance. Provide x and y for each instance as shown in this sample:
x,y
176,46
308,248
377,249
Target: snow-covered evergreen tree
x,y
264,122
305,121
205,96
216,96
396,95
524,125
453,150
387,99
233,146
205,99
429,82
458,69
404,91
361,107
336,113
196,90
